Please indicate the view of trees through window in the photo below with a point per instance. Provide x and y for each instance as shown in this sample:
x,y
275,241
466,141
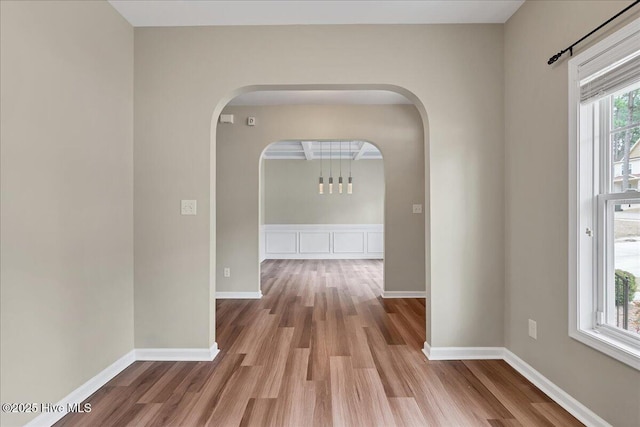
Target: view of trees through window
x,y
625,143
625,134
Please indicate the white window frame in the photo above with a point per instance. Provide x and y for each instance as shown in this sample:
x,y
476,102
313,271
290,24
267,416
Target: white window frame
x,y
587,228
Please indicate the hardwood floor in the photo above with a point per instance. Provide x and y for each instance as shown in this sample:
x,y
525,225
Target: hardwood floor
x,y
321,348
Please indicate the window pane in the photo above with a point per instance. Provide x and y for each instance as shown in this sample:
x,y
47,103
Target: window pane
x,y
625,156
626,228
625,109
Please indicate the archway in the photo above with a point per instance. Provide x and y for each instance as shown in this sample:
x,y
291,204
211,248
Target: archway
x,y
213,196
309,211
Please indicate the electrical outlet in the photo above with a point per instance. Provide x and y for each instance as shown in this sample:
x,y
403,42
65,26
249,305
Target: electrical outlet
x,y
533,329
227,272
417,209
188,207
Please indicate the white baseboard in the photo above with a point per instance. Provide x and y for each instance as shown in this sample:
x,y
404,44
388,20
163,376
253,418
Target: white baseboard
x,y
239,295
573,406
325,256
427,350
403,294
84,391
87,389
561,397
178,354
463,353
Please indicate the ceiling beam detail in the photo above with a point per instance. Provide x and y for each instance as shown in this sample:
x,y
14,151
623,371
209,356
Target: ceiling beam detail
x,y
308,152
360,151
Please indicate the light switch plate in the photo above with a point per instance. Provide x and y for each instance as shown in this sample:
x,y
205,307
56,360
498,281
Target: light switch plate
x,y
188,207
417,209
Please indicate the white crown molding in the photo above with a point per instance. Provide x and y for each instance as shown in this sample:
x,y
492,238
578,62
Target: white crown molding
x,y
558,395
239,295
172,13
403,294
84,391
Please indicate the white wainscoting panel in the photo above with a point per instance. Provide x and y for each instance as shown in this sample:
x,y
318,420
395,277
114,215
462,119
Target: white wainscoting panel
x,y
375,241
348,242
281,242
322,241
315,242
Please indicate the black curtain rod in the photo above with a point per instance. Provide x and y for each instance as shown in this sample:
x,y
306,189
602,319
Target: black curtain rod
x,y
557,56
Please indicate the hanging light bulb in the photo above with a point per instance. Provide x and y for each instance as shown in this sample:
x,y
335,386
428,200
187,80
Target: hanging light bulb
x,y
340,177
321,180
350,183
330,168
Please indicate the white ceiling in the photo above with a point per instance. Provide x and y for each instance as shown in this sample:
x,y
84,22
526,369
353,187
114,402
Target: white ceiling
x,y
314,150
319,97
172,13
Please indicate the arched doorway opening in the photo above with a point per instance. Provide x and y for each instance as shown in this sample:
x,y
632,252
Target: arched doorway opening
x,y
217,127
321,200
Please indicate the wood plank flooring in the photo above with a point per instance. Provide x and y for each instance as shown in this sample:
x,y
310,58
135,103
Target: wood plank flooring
x,y
321,348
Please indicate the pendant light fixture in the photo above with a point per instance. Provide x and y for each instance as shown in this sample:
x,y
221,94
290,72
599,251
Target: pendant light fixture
x,y
330,168
321,180
340,177
341,182
350,183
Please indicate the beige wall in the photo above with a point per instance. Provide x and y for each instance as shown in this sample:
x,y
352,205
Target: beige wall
x,y
183,75
292,193
66,182
395,129
67,197
536,240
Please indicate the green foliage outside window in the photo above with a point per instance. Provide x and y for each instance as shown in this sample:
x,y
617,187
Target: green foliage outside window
x,y
620,276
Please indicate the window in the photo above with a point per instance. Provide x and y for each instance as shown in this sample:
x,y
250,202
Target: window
x,y
604,237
